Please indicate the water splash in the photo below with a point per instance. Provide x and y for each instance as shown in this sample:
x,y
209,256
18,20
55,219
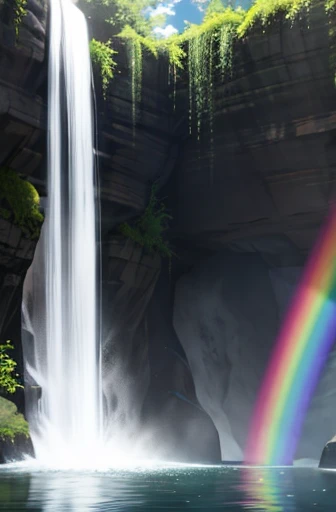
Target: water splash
x,y
59,303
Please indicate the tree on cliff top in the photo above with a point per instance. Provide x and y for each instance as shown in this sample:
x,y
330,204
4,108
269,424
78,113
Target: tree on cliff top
x,y
119,13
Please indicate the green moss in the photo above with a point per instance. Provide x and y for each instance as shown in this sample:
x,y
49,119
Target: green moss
x,y
12,423
102,57
148,230
21,202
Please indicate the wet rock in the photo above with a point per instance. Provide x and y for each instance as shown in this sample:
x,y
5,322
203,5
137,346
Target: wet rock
x,y
328,457
181,427
226,318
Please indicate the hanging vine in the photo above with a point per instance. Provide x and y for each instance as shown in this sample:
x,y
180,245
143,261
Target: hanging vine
x,y
20,12
102,57
136,44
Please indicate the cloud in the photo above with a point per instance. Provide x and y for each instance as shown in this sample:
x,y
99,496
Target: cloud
x,y
166,9
167,31
163,9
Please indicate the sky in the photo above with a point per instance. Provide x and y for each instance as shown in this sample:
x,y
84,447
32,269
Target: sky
x,y
179,11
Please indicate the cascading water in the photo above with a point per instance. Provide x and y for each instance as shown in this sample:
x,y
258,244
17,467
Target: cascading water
x,y
59,304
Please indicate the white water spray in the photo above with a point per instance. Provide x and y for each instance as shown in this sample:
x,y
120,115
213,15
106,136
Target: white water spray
x,y
59,303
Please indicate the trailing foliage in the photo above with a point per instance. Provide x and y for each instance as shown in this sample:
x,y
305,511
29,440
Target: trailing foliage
x,y
20,12
8,375
12,423
21,201
136,44
210,47
148,230
102,57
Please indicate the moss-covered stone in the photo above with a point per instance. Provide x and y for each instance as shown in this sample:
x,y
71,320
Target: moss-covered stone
x,y
20,201
12,423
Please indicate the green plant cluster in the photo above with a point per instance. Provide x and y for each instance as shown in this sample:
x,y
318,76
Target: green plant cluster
x,y
102,57
8,376
21,202
148,230
20,12
12,423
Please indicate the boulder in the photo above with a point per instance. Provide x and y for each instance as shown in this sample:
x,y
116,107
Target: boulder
x,y
328,457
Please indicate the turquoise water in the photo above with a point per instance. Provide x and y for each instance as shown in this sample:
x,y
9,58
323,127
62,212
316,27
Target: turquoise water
x,y
179,489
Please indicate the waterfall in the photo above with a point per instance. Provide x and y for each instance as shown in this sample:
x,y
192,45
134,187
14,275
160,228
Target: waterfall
x,y
61,344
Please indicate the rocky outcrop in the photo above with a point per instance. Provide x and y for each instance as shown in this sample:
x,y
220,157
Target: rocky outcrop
x,y
15,442
227,313
328,457
226,317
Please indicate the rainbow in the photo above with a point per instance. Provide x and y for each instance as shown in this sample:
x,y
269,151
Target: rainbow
x,y
300,353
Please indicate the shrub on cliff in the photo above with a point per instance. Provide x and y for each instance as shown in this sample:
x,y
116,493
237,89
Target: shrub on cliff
x,y
8,375
21,202
148,230
102,57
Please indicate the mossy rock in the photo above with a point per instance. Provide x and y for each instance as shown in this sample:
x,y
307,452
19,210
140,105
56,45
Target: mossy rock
x,y
12,423
20,201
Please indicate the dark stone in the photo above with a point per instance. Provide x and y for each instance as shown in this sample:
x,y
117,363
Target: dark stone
x,y
16,450
328,457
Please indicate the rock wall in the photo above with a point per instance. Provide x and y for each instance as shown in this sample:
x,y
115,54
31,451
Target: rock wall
x,y
22,147
270,168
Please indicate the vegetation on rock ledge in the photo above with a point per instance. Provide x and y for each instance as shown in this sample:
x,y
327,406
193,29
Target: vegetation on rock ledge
x,y
12,423
204,50
21,201
148,230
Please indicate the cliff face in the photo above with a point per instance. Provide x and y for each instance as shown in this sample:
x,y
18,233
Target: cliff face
x,y
254,194
247,204
270,168
22,147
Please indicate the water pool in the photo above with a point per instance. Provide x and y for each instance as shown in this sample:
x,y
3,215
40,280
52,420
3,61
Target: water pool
x,y
168,488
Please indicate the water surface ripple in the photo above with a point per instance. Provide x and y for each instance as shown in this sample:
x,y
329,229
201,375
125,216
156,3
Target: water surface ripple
x,y
181,488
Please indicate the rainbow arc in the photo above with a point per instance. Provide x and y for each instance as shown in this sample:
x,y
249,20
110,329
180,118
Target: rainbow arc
x,y
300,353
